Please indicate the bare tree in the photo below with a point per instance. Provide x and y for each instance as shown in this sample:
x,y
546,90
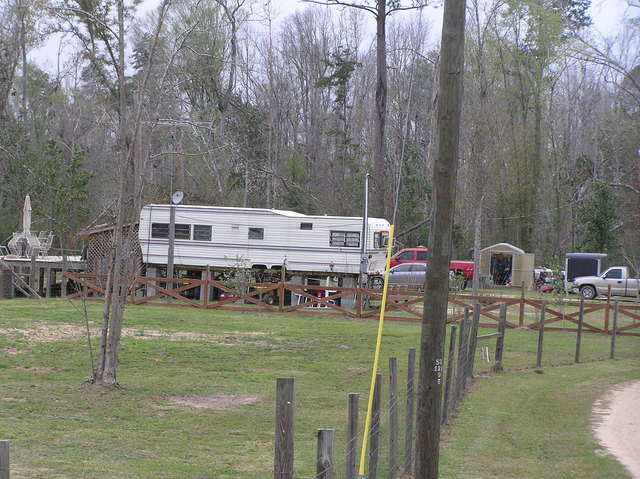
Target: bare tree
x,y
91,27
380,9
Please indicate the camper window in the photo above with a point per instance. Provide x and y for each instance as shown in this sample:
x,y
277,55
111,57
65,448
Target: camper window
x,y
380,239
256,233
183,232
202,232
349,239
159,230
306,226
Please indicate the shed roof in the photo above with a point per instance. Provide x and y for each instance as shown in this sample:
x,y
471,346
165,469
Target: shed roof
x,y
587,255
503,247
102,228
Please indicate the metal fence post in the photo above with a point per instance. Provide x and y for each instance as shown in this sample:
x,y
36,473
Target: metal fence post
x,y
540,336
450,371
614,331
579,333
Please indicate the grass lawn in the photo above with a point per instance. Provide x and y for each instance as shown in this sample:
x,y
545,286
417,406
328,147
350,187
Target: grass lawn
x,y
60,428
527,425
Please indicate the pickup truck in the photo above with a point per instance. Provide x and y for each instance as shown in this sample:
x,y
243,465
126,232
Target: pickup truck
x,y
617,277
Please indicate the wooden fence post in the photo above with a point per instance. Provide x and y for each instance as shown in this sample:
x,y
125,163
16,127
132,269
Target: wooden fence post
x,y
606,311
352,435
205,285
463,342
614,331
579,334
408,435
47,277
540,335
63,286
281,291
521,316
393,416
5,469
33,270
446,406
324,463
473,339
502,327
285,416
374,434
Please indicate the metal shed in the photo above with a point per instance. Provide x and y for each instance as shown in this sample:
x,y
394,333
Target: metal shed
x,y
506,264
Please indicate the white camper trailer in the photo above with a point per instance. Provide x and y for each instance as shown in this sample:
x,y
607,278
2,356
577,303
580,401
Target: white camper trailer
x,y
223,237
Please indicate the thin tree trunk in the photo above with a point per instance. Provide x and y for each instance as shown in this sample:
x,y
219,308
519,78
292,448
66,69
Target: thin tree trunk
x,y
23,46
102,352
379,198
477,237
118,274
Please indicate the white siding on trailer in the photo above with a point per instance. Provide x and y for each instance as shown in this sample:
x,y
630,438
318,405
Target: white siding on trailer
x,y
303,250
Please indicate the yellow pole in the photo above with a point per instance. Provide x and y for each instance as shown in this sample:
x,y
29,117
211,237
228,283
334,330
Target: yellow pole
x,y
376,356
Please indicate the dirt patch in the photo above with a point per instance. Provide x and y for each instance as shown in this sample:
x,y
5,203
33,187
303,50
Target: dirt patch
x,y
45,333
218,402
38,369
357,370
232,338
616,424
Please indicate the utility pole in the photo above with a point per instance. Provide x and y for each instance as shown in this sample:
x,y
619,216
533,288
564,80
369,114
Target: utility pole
x,y
445,173
172,240
176,199
364,261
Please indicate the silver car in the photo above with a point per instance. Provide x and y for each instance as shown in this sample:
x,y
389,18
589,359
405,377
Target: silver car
x,y
408,274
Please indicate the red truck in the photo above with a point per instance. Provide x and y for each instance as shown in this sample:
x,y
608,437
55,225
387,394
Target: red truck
x,y
419,255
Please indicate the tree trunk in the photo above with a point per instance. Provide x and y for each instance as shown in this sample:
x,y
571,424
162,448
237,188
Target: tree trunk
x,y
379,196
118,272
9,55
436,287
23,47
477,237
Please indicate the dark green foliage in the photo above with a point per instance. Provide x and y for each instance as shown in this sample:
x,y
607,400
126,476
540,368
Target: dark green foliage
x,y
57,183
598,216
414,194
33,161
296,196
342,65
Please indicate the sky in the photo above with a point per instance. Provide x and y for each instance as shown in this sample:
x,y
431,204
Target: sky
x,y
607,17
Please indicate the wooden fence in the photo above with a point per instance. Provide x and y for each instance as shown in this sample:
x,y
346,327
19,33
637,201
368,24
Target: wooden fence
x,y
402,305
386,456
392,434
